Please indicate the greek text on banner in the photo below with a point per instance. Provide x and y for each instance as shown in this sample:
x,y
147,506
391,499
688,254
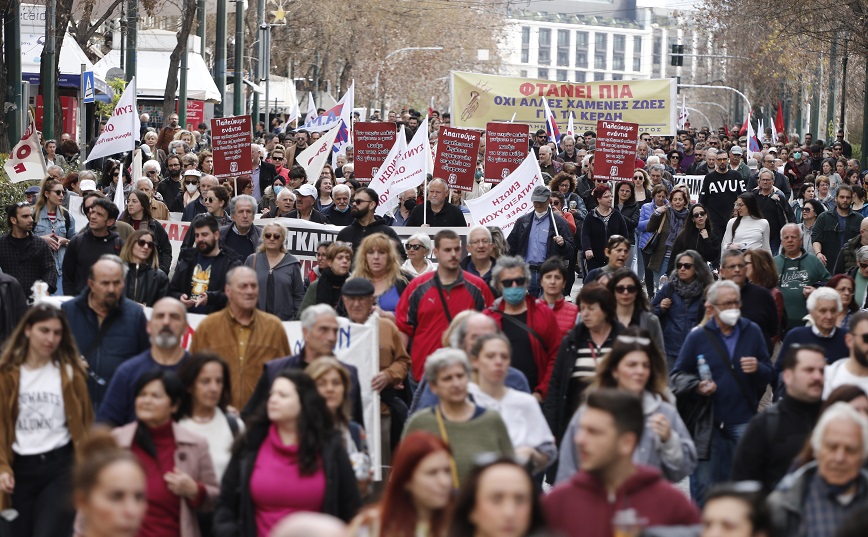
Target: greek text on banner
x,y
478,99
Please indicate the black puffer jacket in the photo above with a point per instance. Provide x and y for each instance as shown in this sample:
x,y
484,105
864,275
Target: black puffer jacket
x,y
146,284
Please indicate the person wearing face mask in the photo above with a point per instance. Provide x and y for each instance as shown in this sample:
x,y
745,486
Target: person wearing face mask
x,y
734,350
407,202
528,323
797,169
340,213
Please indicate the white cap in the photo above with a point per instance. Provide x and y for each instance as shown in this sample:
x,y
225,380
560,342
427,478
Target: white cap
x,y
308,190
195,172
87,185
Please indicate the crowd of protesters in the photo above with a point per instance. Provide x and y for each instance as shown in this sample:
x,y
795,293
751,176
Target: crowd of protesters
x,y
629,357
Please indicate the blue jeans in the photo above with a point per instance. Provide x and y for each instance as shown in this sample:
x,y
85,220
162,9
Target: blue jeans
x,y
659,273
718,467
533,287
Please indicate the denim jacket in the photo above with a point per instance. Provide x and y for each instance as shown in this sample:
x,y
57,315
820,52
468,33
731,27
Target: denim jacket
x,y
43,226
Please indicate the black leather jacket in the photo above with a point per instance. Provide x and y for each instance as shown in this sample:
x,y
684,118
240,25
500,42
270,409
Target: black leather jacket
x,y
145,284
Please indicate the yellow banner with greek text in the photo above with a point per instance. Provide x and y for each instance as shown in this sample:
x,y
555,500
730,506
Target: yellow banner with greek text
x,y
479,98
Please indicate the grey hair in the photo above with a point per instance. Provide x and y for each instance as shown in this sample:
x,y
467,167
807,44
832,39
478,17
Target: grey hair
x,y
824,293
438,180
654,160
730,252
656,168
862,253
54,167
766,171
839,411
311,314
144,179
714,290
456,338
149,165
114,259
424,239
287,192
710,150
440,360
235,270
479,228
791,225
341,188
505,262
86,174
700,267
242,197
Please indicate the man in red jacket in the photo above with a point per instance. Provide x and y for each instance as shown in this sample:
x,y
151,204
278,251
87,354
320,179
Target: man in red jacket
x,y
432,300
611,491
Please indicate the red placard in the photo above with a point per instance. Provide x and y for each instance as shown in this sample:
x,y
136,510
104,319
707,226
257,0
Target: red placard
x,y
455,161
372,142
195,113
230,141
506,146
615,153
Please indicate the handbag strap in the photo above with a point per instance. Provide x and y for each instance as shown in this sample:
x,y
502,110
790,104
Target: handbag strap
x,y
445,438
518,323
731,368
662,220
439,287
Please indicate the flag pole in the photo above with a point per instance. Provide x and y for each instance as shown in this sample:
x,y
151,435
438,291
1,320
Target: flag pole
x,y
554,224
425,201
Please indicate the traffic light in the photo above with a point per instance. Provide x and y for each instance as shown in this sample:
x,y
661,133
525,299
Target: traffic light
x,y
677,59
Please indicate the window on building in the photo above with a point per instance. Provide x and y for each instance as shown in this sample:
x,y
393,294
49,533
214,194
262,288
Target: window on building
x,y
580,76
563,48
581,49
545,44
656,52
525,44
599,76
617,76
599,60
601,42
523,73
619,46
618,62
543,73
637,53
562,75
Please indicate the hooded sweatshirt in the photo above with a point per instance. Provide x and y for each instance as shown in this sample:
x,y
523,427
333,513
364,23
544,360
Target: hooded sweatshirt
x,y
583,507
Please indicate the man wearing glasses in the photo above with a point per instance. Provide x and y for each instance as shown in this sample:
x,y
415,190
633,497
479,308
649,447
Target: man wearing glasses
x,y
780,181
732,347
364,204
479,260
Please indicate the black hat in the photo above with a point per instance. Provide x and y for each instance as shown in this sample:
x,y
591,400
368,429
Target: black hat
x,y
357,287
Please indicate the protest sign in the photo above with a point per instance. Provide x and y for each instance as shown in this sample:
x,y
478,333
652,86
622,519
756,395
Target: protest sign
x,y
505,203
478,99
372,144
455,163
230,142
506,146
615,154
122,129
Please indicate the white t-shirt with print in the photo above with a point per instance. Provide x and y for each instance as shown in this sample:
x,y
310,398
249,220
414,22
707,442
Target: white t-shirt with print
x,y
41,425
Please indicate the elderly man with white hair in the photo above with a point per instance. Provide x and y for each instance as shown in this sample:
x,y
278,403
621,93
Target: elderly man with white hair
x,y
159,211
799,271
820,496
340,214
479,260
284,203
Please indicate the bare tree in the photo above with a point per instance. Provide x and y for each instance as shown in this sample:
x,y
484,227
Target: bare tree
x,y
188,17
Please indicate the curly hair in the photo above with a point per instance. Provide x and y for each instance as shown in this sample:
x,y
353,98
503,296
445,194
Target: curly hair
x,y
560,178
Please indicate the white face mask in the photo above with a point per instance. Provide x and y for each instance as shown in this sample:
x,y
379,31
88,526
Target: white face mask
x,y
729,317
192,188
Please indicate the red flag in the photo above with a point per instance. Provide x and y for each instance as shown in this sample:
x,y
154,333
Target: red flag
x,y
779,122
743,130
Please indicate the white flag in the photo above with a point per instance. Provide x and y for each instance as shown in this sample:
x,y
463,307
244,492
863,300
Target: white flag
x,y
571,130
505,203
774,134
332,117
311,107
122,130
293,115
26,163
345,135
314,157
410,170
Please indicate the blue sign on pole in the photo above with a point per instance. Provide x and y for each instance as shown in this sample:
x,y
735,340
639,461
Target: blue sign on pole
x,y
88,87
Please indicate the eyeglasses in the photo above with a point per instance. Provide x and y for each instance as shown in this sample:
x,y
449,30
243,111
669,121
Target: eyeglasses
x,y
480,242
730,304
276,158
414,247
700,214
115,174
151,172
191,182
58,192
145,244
686,266
209,200
864,338
360,201
735,267
631,340
626,289
863,266
514,282
271,235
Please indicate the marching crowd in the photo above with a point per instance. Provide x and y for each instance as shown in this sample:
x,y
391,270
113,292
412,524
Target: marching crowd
x,y
709,377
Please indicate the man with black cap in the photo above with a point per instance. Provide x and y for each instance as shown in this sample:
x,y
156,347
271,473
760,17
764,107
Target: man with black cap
x,y
358,297
539,235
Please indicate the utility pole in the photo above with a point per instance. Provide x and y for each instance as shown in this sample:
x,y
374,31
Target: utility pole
x,y
12,34
259,61
829,127
220,56
238,92
844,59
200,27
132,38
815,105
48,78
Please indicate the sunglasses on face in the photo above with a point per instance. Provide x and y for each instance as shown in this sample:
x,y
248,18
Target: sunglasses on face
x,y
145,244
360,201
626,289
700,214
686,266
276,158
271,235
863,266
191,182
58,192
514,282
152,172
414,247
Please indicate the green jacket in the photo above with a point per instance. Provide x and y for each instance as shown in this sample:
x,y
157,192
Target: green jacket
x,y
827,232
805,270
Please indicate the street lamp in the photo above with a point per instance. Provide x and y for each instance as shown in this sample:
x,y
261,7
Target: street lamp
x,y
377,79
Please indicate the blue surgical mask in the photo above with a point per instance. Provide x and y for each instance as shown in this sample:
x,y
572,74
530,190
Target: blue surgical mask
x,y
514,295
277,189
338,209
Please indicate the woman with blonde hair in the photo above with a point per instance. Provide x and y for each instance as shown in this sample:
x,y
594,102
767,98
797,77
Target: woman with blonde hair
x,y
145,282
46,412
281,287
377,260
